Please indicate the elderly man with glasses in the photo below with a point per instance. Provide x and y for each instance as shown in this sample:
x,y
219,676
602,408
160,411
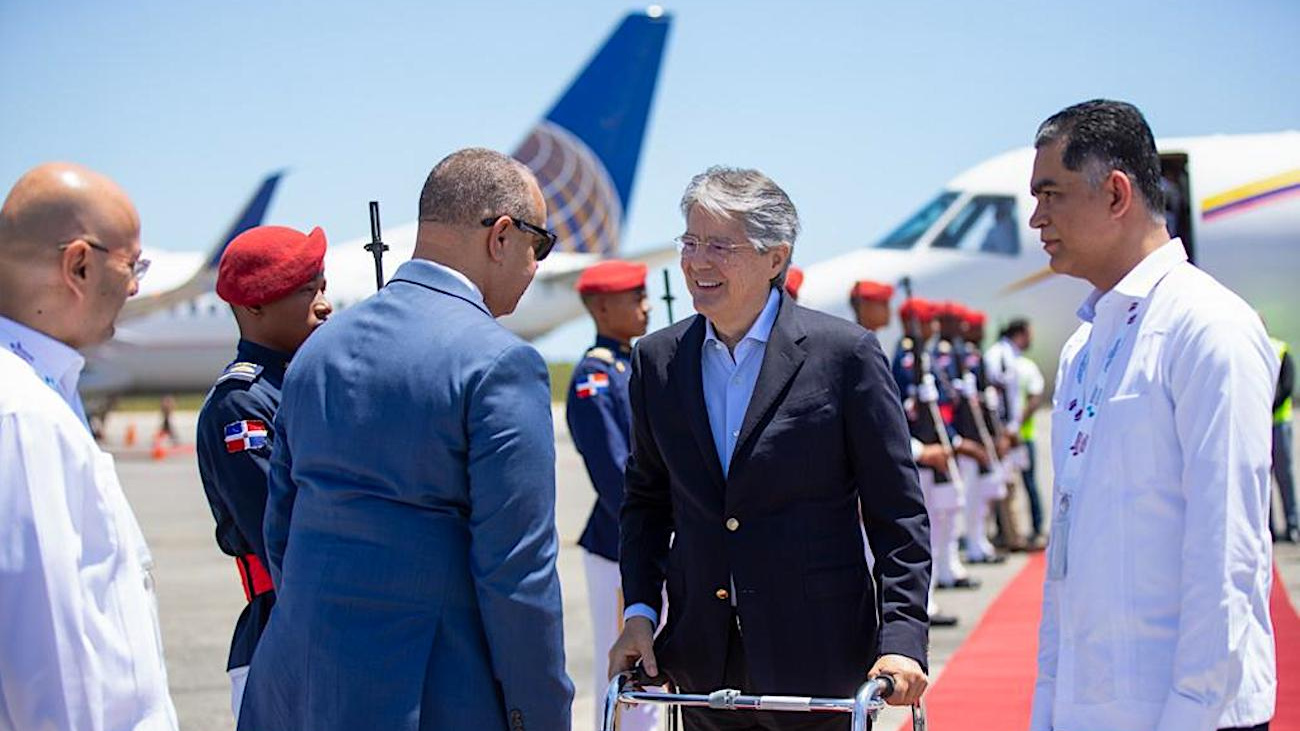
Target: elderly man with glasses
x,y
766,437
410,519
79,638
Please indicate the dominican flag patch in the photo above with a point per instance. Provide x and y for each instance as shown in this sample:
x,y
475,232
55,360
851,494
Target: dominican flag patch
x,y
245,435
593,385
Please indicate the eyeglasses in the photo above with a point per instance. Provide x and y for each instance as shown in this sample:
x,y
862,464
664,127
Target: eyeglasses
x,y
544,242
711,248
138,267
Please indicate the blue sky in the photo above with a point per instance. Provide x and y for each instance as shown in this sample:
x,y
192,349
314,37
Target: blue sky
x,y
861,110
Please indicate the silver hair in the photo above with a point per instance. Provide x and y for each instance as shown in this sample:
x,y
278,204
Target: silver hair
x,y
471,184
766,212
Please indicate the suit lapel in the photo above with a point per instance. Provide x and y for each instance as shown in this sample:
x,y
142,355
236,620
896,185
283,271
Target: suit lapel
x,y
781,360
687,378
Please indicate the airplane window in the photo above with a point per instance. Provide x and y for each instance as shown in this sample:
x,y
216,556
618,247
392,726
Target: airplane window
x,y
906,235
986,224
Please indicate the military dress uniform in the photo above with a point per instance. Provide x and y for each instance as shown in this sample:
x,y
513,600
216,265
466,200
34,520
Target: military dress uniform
x,y
944,497
236,426
235,432
599,416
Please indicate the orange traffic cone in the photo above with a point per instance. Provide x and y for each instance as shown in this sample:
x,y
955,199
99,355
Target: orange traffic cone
x,y
159,447
130,434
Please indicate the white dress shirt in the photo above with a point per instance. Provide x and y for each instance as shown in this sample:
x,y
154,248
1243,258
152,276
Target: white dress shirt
x,y
1155,610
1000,368
80,646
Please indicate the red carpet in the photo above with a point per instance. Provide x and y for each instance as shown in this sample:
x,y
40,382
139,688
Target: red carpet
x,y
989,682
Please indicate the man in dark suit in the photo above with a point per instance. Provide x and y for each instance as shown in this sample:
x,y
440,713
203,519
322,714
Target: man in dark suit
x,y
765,437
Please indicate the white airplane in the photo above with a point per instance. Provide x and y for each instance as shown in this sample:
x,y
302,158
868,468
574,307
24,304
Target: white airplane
x,y
1235,204
177,335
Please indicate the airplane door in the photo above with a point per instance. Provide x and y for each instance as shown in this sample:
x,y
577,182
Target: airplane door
x,y
1176,184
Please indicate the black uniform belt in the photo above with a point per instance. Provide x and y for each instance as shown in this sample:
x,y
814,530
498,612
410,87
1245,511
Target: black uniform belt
x,y
254,576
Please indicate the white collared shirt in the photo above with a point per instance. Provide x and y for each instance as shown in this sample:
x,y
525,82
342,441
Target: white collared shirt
x,y
1000,367
1160,620
57,364
80,646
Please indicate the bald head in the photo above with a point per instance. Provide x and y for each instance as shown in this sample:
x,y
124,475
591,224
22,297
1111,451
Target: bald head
x,y
57,202
67,234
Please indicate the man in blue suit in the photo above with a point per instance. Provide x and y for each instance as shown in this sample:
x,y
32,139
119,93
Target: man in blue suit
x,y
410,521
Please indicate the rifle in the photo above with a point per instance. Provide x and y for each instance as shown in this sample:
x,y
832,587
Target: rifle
x,y
983,418
668,295
377,247
928,393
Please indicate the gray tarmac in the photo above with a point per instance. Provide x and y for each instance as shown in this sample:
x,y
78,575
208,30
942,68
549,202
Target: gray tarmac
x,y
200,597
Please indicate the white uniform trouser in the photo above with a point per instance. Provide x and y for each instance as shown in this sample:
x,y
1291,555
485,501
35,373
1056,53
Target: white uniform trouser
x,y
943,502
238,676
605,600
978,546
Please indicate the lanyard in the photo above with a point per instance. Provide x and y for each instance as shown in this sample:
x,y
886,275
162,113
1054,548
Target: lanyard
x,y
1087,396
1084,406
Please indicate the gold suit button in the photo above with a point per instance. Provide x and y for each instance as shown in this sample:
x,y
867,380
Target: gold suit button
x,y
722,594
733,525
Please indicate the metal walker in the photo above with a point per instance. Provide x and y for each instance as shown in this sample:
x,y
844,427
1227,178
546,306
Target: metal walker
x,y
624,689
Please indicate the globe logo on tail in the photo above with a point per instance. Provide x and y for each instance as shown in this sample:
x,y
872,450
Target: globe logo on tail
x,y
581,202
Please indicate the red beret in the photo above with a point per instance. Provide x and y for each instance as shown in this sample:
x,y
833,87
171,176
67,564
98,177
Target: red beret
x,y
974,318
266,263
793,281
865,289
609,277
950,309
923,310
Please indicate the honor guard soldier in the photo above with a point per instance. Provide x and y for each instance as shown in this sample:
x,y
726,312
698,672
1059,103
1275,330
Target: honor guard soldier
x,y
870,303
600,421
273,278
942,495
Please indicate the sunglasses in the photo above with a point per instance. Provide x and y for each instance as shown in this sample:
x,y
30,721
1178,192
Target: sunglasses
x,y
542,245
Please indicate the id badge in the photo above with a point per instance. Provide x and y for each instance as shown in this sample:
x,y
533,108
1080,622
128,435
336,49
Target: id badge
x,y
1059,543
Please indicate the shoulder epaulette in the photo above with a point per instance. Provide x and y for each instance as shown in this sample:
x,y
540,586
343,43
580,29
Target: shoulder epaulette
x,y
240,371
602,354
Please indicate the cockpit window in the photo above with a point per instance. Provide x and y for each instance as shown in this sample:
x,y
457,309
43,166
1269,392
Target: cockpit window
x,y
906,235
987,223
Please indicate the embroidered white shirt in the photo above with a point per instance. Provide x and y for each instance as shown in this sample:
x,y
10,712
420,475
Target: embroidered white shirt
x,y
80,646
1160,619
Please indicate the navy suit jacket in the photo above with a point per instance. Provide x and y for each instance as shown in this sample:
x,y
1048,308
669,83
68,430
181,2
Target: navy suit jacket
x,y
823,451
410,525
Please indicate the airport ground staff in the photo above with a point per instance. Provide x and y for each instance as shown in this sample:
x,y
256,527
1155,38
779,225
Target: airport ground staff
x,y
80,646
600,423
273,279
1155,609
1283,465
942,495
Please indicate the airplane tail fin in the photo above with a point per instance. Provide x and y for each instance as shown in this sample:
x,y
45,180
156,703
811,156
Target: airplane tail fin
x,y
585,150
205,278
253,214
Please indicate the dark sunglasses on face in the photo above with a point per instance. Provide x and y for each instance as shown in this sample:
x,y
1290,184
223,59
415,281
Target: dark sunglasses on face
x,y
543,242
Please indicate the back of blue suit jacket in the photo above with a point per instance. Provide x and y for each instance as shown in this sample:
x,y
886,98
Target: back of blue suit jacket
x,y
410,524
